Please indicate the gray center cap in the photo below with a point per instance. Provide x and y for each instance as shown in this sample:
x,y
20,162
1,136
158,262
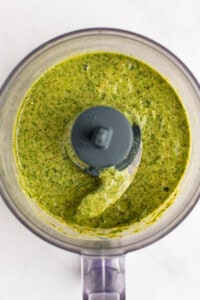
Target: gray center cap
x,y
102,137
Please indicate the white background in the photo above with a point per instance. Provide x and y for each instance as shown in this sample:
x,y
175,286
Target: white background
x,y
30,269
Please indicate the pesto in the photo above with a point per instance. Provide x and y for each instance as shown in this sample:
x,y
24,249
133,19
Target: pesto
x,y
46,173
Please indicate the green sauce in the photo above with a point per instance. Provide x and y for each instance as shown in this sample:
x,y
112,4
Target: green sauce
x,y
48,176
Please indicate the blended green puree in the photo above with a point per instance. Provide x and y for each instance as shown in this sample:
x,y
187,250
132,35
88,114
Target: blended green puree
x,y
49,177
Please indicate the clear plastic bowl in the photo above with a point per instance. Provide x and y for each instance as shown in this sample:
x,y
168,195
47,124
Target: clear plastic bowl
x,y
14,90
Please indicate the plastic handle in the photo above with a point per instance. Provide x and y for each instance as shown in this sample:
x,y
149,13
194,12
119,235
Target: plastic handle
x,y
103,277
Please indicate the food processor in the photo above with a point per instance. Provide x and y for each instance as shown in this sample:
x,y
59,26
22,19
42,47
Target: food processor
x,y
103,258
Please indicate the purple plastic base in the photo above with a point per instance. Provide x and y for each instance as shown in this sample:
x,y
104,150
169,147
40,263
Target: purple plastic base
x,y
103,278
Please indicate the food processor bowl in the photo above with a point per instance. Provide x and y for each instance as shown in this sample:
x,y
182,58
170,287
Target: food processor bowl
x,y
103,257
